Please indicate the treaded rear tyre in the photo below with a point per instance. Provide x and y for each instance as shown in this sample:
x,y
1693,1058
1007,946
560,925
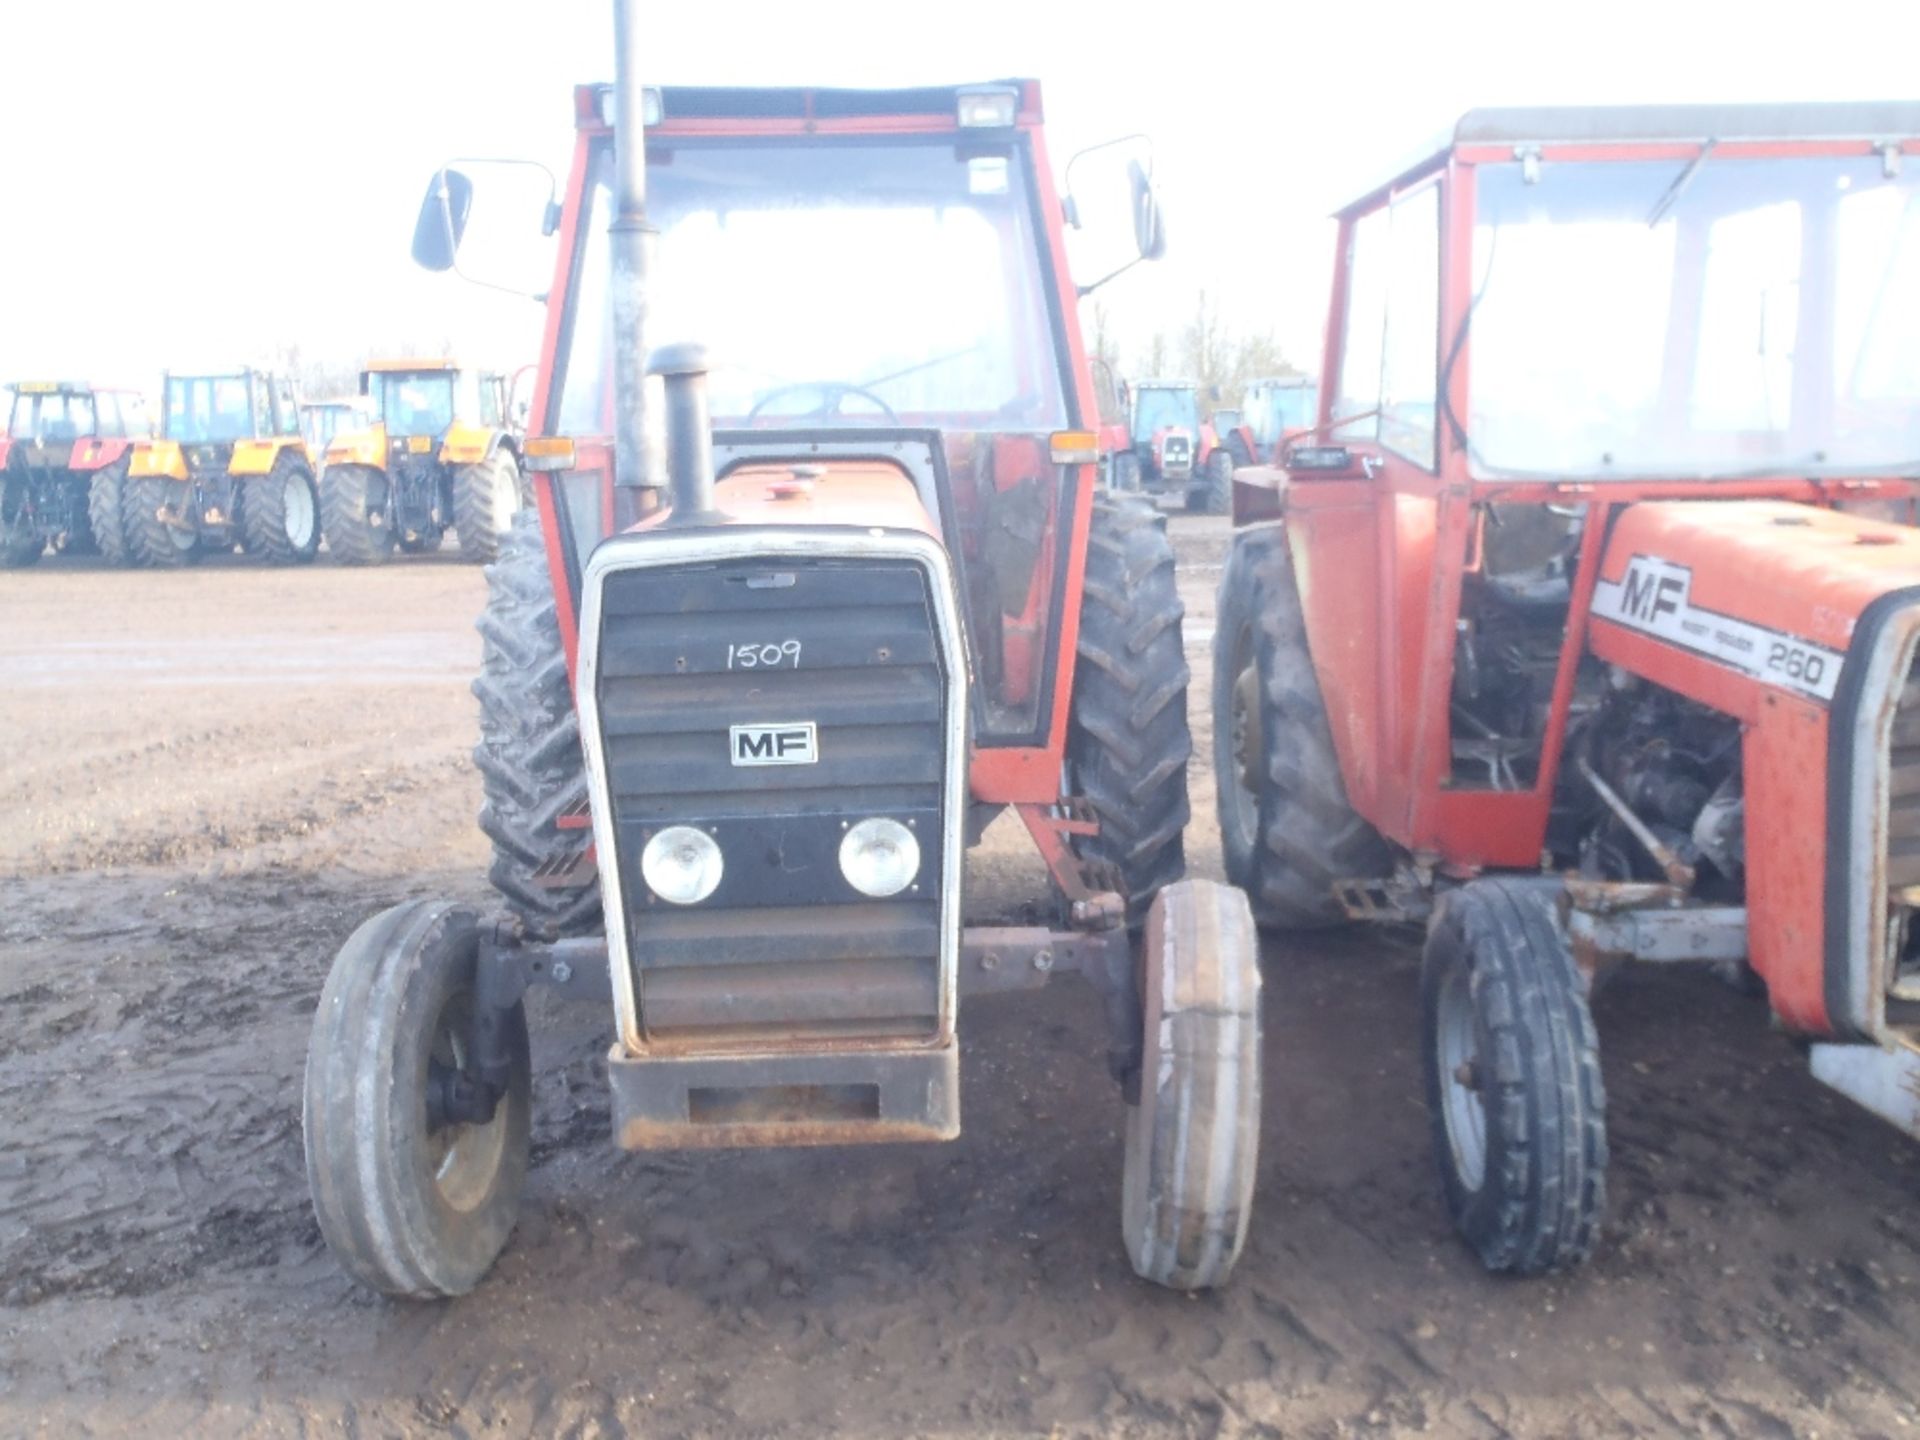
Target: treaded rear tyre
x,y
1127,737
1214,494
1287,830
151,540
353,515
1193,1140
1514,1090
531,767
21,543
486,497
281,514
106,512
408,1210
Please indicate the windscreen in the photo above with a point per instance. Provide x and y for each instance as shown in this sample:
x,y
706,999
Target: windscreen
x,y
50,417
1696,319
413,403
1155,409
205,409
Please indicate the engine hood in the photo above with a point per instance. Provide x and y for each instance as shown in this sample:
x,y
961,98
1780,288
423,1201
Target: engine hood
x,y
871,494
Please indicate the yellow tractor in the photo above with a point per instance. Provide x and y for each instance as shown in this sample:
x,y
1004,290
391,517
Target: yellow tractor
x,y
441,453
228,468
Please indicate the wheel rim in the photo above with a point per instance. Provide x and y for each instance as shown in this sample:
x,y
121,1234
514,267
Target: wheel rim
x,y
1463,1107
463,1159
1249,749
300,513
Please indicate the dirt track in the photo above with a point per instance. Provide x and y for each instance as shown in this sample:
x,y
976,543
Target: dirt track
x,y
211,777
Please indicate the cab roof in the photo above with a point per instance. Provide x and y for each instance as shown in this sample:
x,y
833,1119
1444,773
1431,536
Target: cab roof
x,y
781,105
386,366
1869,121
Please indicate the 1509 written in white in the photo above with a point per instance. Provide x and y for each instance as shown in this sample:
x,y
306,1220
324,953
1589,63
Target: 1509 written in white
x,y
768,656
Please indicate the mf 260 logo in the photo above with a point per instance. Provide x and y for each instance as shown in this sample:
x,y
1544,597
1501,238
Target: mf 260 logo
x,y
796,742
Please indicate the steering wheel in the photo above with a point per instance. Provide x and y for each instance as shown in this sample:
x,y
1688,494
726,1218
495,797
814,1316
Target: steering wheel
x,y
831,393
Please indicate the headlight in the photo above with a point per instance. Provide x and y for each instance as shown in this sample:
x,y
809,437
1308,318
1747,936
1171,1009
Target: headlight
x,y
682,865
879,857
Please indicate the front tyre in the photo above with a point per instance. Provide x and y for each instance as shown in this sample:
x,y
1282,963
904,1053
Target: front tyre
x,y
281,517
1193,1140
407,1205
355,514
1127,736
1513,1079
486,497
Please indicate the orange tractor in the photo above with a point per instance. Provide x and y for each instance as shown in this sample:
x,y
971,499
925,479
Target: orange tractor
x,y
1581,632
741,720
63,465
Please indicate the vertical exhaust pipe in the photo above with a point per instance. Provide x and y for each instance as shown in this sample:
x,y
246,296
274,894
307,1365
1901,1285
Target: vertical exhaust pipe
x,y
636,477
683,369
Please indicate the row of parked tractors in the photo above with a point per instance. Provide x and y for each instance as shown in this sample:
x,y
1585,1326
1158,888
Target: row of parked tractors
x,y
236,461
1153,439
1581,627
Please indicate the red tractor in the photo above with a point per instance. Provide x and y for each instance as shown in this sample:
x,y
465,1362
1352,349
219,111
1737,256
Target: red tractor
x,y
1582,635
1172,451
63,467
1272,411
738,729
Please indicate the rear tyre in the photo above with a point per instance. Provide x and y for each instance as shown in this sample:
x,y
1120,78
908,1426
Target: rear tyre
x,y
1513,1080
151,538
21,543
1126,472
1193,1140
531,767
106,513
1213,495
1127,737
1237,448
281,516
408,1206
1287,830
354,515
486,497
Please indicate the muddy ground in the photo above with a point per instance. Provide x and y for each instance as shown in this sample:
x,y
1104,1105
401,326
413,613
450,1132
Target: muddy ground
x,y
209,778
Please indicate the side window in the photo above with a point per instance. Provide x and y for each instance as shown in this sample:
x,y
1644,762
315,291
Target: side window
x,y
289,416
108,405
489,400
1410,364
1364,331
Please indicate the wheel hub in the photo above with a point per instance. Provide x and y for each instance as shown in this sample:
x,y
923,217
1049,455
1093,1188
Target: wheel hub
x,y
1463,1105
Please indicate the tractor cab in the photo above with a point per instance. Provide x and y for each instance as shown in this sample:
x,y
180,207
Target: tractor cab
x,y
799,614
1578,630
229,467
321,420
63,440
1271,410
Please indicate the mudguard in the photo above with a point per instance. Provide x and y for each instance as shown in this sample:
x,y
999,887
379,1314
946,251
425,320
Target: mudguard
x,y
257,457
466,444
360,447
95,453
1800,623
157,458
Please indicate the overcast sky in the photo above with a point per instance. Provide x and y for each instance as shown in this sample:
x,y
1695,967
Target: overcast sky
x,y
197,182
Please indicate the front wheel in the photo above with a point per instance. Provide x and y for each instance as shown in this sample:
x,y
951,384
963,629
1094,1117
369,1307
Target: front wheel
x,y
1193,1139
281,517
356,514
1513,1079
411,1203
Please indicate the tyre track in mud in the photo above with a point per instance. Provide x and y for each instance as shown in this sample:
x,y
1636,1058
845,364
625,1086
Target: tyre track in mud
x,y
160,1271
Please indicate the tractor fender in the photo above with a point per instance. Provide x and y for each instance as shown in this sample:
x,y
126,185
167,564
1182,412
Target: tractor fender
x,y
96,453
466,444
253,458
157,459
360,447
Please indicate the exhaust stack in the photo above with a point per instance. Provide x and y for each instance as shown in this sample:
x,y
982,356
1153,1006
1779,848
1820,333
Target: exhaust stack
x,y
683,368
636,468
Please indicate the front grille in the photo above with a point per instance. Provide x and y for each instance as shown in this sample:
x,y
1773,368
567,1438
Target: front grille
x,y
785,948
1903,788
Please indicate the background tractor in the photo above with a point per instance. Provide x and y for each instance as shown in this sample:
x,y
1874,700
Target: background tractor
x,y
63,461
1569,639
738,733
1271,411
1173,452
321,420
441,453
228,468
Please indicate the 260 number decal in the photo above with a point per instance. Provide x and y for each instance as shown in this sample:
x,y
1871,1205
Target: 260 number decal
x,y
1796,663
769,656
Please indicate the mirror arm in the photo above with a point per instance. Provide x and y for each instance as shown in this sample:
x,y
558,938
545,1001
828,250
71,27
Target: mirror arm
x,y
1082,291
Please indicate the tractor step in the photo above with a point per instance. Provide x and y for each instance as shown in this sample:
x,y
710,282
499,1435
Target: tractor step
x,y
1401,900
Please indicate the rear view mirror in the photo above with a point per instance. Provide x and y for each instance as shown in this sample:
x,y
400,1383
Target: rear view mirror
x,y
1149,228
443,220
